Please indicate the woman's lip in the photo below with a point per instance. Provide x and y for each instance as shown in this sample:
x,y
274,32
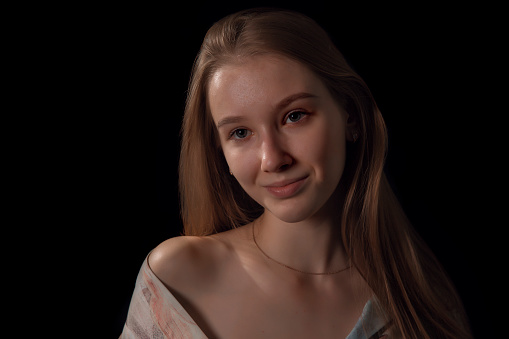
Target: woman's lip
x,y
286,182
286,188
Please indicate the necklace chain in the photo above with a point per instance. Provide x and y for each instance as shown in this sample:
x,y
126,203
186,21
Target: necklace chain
x,y
295,269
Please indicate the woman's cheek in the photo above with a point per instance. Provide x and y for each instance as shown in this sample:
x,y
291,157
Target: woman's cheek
x,y
326,148
243,164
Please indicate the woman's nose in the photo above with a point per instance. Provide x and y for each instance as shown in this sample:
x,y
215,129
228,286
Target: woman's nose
x,y
274,157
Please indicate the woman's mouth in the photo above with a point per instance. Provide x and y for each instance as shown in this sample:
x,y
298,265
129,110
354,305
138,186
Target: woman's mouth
x,y
286,188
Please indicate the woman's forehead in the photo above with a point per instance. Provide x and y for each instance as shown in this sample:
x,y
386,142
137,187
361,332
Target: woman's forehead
x,y
260,80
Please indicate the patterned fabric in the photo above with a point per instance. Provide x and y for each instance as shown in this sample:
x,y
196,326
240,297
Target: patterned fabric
x,y
155,313
371,325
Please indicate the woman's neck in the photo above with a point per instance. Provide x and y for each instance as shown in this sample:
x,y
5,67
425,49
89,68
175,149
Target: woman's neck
x,y
312,245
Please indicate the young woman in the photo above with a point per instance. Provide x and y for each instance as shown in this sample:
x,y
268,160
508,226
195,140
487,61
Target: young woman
x,y
292,230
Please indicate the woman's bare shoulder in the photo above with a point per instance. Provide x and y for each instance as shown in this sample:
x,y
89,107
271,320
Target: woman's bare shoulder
x,y
186,261
182,259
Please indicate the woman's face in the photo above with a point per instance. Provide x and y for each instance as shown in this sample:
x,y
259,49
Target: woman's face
x,y
282,133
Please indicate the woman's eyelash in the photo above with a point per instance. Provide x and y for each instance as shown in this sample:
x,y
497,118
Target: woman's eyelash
x,y
295,116
237,130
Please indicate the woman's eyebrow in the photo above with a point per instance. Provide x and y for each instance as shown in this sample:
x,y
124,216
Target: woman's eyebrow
x,y
280,106
294,97
230,120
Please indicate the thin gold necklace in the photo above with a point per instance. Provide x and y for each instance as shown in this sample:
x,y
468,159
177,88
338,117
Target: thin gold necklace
x,y
294,269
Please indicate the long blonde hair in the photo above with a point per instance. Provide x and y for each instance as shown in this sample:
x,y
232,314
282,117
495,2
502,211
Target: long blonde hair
x,y
409,283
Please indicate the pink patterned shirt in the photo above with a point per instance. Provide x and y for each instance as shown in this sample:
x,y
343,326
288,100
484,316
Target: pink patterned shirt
x,y
155,313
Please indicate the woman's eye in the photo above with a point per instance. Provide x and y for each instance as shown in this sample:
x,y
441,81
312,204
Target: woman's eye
x,y
294,116
240,133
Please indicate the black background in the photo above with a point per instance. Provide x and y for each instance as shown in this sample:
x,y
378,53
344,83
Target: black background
x,y
123,77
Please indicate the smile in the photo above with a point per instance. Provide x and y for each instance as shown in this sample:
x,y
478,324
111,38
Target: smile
x,y
287,188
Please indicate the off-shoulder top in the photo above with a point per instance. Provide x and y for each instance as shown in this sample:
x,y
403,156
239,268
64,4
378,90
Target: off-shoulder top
x,y
155,313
